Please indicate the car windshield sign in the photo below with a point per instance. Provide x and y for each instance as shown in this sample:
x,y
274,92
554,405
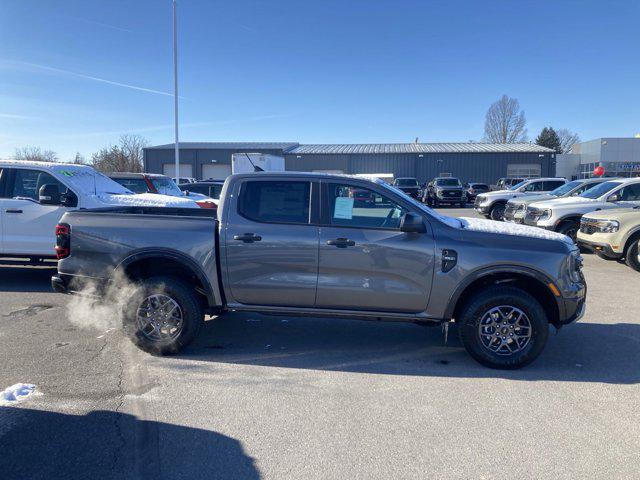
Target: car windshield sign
x,y
566,188
600,190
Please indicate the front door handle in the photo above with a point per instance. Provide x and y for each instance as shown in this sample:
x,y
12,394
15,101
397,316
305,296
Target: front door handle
x,y
248,237
341,243
13,211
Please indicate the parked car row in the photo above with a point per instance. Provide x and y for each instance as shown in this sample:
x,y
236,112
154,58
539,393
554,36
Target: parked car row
x,y
600,214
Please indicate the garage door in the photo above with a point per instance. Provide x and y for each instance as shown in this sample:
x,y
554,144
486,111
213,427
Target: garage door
x,y
186,170
215,172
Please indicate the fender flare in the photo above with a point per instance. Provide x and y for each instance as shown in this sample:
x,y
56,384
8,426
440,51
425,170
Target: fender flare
x,y
484,272
168,254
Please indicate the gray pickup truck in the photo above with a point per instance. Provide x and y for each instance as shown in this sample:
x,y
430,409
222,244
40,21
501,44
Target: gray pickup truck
x,y
314,245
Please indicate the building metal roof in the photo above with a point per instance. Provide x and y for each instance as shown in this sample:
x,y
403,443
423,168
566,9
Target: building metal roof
x,y
229,145
365,148
373,148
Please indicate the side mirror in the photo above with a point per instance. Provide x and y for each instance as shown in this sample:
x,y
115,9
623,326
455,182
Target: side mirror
x,y
412,223
614,198
49,194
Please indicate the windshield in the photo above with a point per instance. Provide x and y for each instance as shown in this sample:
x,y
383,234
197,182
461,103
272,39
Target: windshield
x,y
518,185
600,190
566,188
406,182
136,185
448,182
89,181
166,186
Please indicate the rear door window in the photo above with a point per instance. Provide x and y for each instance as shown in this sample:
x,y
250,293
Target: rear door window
x,y
275,201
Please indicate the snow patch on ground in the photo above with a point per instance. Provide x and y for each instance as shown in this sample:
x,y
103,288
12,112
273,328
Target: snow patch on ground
x,y
506,228
17,393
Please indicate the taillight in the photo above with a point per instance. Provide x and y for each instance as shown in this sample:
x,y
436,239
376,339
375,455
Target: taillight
x,y
206,204
63,241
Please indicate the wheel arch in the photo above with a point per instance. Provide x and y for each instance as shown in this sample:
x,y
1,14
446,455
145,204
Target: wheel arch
x,y
532,281
631,237
148,263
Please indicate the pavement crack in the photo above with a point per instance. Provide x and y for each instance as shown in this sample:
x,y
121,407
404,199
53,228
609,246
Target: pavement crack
x,y
119,418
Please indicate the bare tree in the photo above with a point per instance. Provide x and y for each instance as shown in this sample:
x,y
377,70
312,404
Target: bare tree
x,y
567,139
35,154
505,122
79,159
124,157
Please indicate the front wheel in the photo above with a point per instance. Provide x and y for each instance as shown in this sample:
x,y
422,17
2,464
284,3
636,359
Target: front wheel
x,y
497,212
503,327
632,257
163,315
570,229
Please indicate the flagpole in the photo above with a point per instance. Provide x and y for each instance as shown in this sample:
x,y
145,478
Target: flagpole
x,y
175,89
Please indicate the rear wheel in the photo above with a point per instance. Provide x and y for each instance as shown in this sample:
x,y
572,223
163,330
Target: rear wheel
x,y
503,327
632,257
163,315
497,212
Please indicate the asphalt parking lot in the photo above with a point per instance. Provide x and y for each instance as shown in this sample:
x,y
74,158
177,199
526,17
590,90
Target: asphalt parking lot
x,y
280,397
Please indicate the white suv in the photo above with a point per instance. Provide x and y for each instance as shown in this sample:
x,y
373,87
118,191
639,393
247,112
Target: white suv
x,y
563,214
34,195
492,204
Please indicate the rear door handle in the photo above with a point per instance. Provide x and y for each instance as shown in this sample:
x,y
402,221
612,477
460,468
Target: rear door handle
x,y
248,237
341,243
13,211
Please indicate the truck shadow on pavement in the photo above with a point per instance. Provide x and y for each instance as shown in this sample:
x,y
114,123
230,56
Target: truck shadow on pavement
x,y
37,444
581,352
26,279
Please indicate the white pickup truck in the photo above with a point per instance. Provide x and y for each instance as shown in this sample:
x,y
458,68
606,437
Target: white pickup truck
x,y
35,195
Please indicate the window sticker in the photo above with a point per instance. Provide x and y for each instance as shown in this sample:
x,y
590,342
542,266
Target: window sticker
x,y
343,208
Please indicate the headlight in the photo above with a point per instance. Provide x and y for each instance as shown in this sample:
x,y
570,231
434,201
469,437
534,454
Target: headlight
x,y
606,226
545,214
575,266
482,199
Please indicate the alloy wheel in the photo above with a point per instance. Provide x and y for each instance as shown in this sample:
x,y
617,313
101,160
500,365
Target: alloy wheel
x,y
505,330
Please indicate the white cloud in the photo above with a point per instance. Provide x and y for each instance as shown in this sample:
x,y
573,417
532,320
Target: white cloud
x,y
61,71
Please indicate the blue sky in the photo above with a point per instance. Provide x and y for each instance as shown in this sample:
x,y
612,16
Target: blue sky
x,y
74,75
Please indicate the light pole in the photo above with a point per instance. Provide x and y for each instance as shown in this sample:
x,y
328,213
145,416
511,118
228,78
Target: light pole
x,y
175,89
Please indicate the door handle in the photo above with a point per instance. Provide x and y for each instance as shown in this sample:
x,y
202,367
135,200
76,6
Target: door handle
x,y
248,237
13,211
341,243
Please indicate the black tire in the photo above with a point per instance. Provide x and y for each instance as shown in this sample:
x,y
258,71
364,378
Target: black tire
x,y
570,229
190,309
497,212
632,255
477,308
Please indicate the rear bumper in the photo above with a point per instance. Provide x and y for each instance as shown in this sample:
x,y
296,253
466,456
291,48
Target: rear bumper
x,y
59,284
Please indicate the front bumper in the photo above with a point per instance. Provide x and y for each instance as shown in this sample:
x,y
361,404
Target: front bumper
x,y
484,210
574,300
603,248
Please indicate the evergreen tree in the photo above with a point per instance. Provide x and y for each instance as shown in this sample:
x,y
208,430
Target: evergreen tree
x,y
549,138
